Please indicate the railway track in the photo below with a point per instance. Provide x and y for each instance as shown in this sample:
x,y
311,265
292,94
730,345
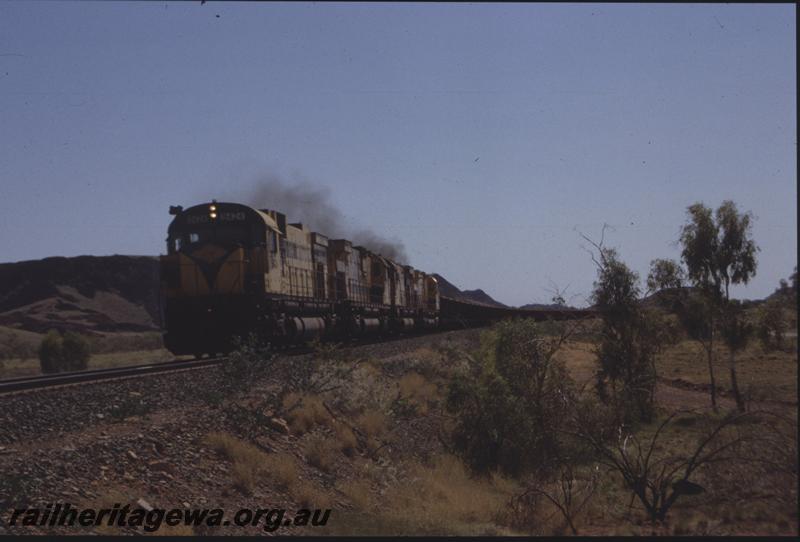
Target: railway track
x,y
46,381
23,383
16,384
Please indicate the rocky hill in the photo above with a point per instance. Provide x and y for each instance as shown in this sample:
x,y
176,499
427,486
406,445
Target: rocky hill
x,y
448,289
90,294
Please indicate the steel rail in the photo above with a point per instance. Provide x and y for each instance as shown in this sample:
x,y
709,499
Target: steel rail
x,y
45,381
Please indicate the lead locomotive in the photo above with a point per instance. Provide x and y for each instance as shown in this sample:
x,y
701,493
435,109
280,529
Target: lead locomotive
x,y
232,270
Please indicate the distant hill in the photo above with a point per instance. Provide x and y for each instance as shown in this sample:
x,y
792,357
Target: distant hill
x,y
90,294
447,289
543,306
662,298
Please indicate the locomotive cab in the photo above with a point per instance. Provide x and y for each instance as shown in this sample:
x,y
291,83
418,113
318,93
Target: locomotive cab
x,y
218,257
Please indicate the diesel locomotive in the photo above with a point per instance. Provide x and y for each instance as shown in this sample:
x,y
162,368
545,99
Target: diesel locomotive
x,y
232,270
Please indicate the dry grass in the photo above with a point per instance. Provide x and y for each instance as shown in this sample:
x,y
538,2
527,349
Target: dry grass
x,y
110,350
443,499
247,460
580,360
321,452
281,468
347,441
30,366
308,496
251,465
417,389
358,492
764,375
372,423
305,412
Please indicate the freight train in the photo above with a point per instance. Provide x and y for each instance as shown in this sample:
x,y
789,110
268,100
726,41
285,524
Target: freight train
x,y
233,270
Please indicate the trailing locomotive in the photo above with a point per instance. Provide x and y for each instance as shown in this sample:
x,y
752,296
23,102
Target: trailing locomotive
x,y
231,270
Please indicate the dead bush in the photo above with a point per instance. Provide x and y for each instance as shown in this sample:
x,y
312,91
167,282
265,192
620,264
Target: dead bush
x,y
308,496
321,452
358,492
281,468
372,423
304,412
346,439
250,465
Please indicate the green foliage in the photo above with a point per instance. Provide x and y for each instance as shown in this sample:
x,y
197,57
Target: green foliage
x,y
786,293
68,353
697,315
717,248
50,354
666,329
508,404
629,340
718,251
75,351
735,330
665,275
246,363
771,325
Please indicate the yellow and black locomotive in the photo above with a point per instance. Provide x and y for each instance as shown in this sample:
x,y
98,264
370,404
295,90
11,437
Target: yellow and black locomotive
x,y
231,270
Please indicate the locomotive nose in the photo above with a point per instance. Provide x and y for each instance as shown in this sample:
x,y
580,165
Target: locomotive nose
x,y
209,259
214,269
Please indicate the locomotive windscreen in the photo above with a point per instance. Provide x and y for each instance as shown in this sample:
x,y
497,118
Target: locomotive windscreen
x,y
215,223
223,234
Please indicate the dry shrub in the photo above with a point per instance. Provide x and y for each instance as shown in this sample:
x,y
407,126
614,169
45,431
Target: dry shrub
x,y
251,465
321,452
371,369
443,499
247,460
244,477
234,449
429,361
358,492
415,386
372,423
346,439
374,446
281,468
308,496
305,411
418,391
368,471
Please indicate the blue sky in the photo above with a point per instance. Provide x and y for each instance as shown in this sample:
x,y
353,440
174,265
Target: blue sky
x,y
484,137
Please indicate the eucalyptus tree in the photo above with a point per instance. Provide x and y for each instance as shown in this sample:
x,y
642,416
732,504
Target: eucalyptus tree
x,y
718,251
